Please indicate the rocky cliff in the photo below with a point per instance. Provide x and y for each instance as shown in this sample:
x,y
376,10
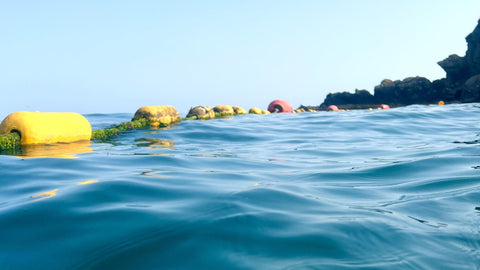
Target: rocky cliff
x,y
462,84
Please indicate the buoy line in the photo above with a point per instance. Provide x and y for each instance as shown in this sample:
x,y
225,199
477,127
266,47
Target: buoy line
x,y
36,128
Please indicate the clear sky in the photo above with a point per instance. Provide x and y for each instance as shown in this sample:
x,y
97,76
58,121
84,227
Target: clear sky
x,y
116,56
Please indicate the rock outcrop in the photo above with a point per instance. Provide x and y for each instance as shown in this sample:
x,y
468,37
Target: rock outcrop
x,y
359,97
462,84
408,91
472,55
463,73
456,68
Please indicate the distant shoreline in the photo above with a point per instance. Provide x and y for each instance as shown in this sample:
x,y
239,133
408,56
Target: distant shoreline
x,y
461,85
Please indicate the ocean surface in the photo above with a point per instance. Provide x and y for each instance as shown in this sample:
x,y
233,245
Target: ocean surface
x,y
380,189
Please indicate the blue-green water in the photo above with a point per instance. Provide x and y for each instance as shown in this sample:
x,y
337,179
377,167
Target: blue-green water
x,y
395,189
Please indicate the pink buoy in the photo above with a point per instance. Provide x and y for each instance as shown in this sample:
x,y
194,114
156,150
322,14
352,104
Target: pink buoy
x,y
384,107
280,106
332,108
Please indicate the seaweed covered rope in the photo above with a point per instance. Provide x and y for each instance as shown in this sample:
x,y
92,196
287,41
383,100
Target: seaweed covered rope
x,y
104,134
147,116
10,142
30,128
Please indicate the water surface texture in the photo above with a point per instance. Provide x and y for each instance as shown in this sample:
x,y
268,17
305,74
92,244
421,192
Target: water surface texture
x,y
394,189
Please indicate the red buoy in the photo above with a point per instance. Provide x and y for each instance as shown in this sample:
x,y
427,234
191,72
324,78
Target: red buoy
x,y
384,107
332,108
280,106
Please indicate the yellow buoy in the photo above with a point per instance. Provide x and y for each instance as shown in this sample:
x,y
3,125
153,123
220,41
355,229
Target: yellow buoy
x,y
201,112
47,127
300,110
265,112
441,103
255,111
158,115
224,110
239,110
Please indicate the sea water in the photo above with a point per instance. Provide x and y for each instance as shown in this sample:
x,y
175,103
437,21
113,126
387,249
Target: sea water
x,y
379,189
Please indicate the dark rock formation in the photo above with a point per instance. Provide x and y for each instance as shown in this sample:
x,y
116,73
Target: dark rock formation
x,y
470,91
456,68
472,56
462,84
360,97
408,91
463,73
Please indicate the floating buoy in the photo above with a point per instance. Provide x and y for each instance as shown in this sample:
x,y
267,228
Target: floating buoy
x,y
223,110
158,115
265,112
332,108
255,111
201,112
280,106
384,107
441,103
301,110
239,110
47,127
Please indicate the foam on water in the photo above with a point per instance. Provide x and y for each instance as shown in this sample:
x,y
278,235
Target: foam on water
x,y
396,189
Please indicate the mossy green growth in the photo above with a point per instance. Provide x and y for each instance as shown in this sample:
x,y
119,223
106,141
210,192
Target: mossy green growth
x,y
222,114
139,123
107,133
10,142
104,134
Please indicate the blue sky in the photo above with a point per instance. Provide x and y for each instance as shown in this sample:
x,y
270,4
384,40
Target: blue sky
x,y
116,56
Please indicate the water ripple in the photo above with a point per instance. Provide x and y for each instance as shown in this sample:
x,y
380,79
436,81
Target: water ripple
x,y
394,189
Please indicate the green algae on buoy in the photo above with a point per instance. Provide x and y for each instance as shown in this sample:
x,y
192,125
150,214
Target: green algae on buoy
x,y
47,127
153,116
10,142
223,110
162,116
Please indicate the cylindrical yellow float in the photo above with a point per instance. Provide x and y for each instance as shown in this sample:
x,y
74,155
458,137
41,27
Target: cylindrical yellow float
x,y
47,127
